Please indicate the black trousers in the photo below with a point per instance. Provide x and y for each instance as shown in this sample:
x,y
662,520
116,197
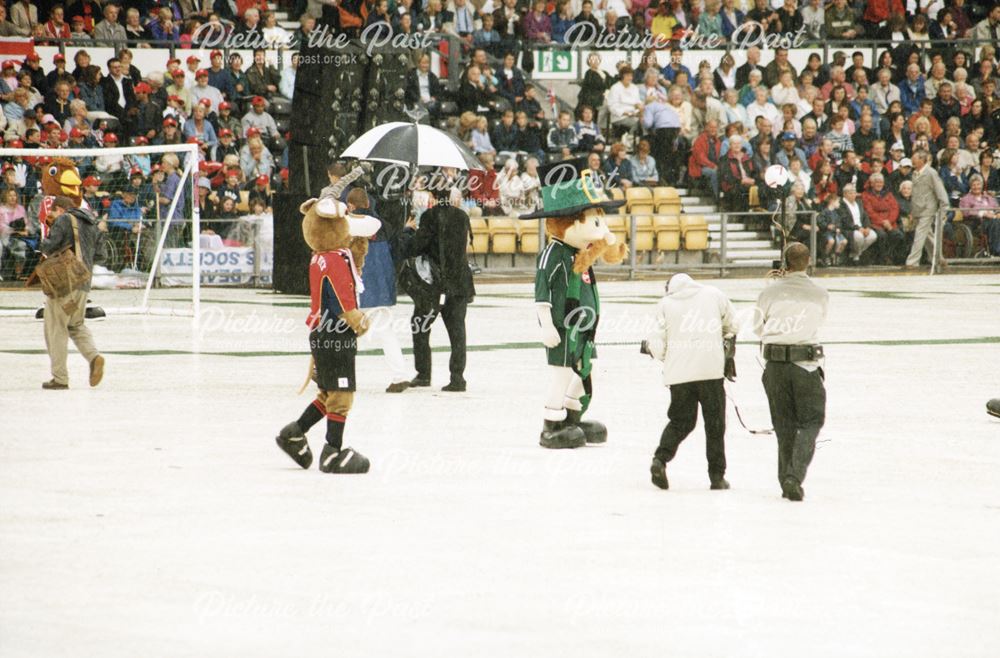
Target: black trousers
x,y
890,247
663,148
797,399
683,415
424,315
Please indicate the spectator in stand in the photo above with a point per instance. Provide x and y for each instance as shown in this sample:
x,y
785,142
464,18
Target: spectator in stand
x,y
178,90
561,21
617,168
840,139
487,38
262,79
510,79
945,106
588,133
218,77
287,85
595,84
423,87
704,159
912,90
674,66
24,15
144,117
838,80
90,90
848,172
505,135
529,138
586,15
789,151
226,146
56,27
481,137
472,93
163,28
200,127
955,182
77,33
644,166
57,104
170,133
237,79
624,103
883,212
981,210
202,91
988,29
762,107
249,27
562,139
935,80
134,29
840,23
833,243
226,120
263,122
736,176
855,224
536,25
779,65
109,32
255,159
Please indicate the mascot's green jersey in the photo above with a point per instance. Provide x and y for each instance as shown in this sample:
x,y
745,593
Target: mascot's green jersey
x,y
575,306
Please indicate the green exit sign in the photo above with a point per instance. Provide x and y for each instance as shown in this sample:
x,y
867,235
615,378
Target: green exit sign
x,y
555,63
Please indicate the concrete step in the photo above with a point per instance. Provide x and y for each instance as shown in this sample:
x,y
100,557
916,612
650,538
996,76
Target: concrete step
x,y
700,210
741,239
743,246
733,228
755,262
752,254
697,200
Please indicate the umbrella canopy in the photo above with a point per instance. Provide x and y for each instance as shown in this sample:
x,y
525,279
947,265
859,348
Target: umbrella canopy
x,y
412,143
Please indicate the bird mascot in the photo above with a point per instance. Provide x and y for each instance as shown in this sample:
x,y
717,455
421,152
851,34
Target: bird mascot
x,y
566,299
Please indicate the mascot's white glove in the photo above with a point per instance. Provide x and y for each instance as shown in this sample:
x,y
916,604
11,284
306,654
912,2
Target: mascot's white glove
x,y
550,335
21,174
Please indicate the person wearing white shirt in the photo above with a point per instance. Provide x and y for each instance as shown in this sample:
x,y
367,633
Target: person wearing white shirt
x,y
624,102
785,92
762,108
732,109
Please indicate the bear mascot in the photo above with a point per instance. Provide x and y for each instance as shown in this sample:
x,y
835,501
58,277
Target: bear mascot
x,y
339,243
566,299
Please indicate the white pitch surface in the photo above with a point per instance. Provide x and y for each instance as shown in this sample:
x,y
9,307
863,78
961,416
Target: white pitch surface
x,y
154,516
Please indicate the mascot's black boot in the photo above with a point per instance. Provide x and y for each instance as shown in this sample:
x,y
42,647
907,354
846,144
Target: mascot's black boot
x,y
993,407
292,442
345,460
594,431
658,471
558,434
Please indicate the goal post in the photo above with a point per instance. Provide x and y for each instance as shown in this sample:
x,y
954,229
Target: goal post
x,y
145,199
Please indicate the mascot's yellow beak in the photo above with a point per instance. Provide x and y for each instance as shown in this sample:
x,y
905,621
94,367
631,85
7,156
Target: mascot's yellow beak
x,y
70,183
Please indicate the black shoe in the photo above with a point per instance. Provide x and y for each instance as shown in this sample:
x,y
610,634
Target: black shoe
x,y
454,387
659,472
719,483
397,387
53,385
94,313
40,314
792,490
343,461
418,382
594,431
557,435
293,443
993,407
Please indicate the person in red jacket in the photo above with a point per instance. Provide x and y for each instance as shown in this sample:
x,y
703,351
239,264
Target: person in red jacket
x,y
877,12
883,211
704,160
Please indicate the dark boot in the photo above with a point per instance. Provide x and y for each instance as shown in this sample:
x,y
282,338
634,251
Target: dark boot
x,y
719,483
594,431
993,407
658,470
792,490
343,461
293,443
455,386
557,434
419,382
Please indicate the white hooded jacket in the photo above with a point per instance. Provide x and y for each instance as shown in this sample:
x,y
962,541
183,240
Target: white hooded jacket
x,y
691,320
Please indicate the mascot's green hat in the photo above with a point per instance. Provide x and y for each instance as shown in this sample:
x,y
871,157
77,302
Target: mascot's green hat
x,y
569,188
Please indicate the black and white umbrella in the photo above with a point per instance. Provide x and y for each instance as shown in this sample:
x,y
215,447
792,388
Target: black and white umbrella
x,y
413,144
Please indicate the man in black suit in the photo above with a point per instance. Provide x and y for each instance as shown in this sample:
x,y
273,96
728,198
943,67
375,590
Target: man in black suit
x,y
752,63
442,238
855,224
118,91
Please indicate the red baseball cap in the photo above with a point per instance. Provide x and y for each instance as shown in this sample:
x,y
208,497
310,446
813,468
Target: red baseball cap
x,y
169,121
75,133
9,63
201,73
224,106
77,19
174,98
193,139
91,181
253,132
205,102
154,168
33,57
258,100
193,58
178,73
262,180
284,174
61,134
16,144
215,53
225,132
140,140
135,171
143,88
110,138
58,57
173,60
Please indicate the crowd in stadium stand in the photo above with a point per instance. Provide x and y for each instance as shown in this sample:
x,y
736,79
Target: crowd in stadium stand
x,y
845,129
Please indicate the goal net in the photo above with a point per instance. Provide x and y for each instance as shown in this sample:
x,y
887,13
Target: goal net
x,y
145,200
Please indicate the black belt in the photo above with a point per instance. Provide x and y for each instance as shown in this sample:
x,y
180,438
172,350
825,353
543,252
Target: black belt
x,y
792,353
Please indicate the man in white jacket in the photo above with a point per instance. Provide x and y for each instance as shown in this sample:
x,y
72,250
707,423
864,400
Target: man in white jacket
x,y
692,320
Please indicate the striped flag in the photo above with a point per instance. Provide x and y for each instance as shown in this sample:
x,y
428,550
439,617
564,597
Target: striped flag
x,y
553,103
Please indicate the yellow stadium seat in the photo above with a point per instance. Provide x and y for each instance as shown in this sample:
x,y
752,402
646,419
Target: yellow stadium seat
x,y
644,234
480,236
694,230
618,195
618,224
668,232
667,201
529,236
503,235
640,200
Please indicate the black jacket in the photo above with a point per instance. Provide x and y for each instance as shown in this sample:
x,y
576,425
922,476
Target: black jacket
x,y
847,219
111,96
443,237
413,87
61,236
